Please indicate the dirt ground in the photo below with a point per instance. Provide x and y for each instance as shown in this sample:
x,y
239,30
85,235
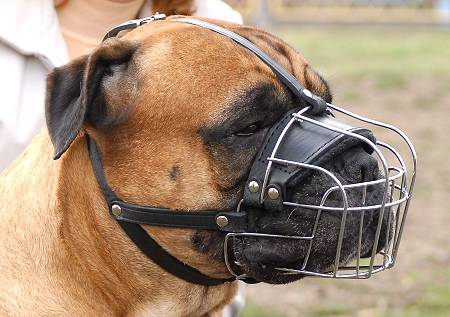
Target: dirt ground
x,y
419,284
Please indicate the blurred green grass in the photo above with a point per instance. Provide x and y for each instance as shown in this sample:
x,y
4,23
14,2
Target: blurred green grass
x,y
388,56
253,310
434,302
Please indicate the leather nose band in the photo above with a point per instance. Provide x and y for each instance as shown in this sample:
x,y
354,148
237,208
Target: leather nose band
x,y
303,142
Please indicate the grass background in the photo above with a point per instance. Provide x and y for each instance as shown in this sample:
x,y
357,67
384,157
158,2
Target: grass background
x,y
400,76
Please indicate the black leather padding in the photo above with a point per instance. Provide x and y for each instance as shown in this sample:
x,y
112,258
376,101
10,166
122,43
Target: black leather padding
x,y
303,142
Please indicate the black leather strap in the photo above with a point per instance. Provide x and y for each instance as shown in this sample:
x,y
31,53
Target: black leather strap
x,y
97,166
164,259
206,220
132,215
317,105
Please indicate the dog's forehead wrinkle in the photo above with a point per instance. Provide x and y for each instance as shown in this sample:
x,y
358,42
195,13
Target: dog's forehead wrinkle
x,y
272,45
262,103
237,66
265,96
291,59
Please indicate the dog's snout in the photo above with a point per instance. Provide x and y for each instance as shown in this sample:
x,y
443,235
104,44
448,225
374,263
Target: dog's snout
x,y
359,165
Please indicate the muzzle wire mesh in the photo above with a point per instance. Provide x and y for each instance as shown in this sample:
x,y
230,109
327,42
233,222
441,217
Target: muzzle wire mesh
x,y
397,189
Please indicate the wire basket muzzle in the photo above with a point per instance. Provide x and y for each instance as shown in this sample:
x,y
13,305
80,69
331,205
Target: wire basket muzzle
x,y
297,146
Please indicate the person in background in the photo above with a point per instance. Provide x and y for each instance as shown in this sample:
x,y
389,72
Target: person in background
x,y
38,35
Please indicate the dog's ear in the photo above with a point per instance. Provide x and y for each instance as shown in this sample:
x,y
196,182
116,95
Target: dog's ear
x,y
76,92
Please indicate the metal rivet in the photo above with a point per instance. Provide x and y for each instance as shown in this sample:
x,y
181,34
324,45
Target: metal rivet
x,y
116,210
273,193
253,187
222,221
307,93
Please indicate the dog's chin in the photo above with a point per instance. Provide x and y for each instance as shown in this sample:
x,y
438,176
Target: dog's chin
x,y
252,261
263,258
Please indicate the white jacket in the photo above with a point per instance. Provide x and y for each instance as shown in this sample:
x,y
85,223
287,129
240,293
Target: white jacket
x,y
31,45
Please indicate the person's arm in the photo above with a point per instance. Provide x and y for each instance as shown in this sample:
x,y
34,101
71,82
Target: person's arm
x,y
217,9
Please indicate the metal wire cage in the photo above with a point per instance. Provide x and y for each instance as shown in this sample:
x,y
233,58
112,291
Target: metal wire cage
x,y
398,182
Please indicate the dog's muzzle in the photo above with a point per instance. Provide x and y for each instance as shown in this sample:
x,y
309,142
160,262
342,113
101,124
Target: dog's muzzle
x,y
297,146
294,147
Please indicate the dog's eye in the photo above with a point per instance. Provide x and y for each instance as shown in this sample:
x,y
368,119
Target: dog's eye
x,y
249,130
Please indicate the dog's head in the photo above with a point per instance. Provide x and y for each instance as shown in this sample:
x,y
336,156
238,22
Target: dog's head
x,y
180,113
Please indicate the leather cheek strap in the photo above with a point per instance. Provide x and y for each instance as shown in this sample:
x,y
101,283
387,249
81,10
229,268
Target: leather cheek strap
x,y
163,217
129,217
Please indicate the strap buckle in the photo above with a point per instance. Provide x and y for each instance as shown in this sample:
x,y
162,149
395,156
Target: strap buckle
x,y
133,24
156,17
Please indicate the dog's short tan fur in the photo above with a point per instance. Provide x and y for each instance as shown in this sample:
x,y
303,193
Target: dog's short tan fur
x,y
60,252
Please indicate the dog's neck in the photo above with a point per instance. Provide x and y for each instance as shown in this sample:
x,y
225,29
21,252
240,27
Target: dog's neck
x,y
128,281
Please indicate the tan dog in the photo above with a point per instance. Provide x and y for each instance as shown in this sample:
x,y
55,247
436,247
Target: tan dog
x,y
152,100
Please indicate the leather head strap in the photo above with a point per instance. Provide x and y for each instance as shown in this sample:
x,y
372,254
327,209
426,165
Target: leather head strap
x,y
317,105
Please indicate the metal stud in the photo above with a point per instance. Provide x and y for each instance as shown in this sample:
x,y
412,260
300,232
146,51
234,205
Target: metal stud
x,y
308,93
222,221
253,187
116,210
273,193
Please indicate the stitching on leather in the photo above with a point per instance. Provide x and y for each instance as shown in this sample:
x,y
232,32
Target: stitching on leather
x,y
312,154
338,135
286,170
307,158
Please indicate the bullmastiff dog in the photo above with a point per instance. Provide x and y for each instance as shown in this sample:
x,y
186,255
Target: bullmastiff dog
x,y
178,114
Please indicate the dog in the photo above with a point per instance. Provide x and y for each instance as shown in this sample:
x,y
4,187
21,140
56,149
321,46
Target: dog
x,y
179,113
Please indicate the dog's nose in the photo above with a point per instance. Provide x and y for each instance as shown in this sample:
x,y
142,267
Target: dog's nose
x,y
359,165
